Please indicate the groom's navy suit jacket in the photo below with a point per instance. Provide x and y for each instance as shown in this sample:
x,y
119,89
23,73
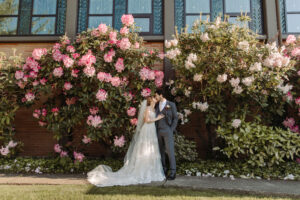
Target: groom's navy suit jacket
x,y
169,122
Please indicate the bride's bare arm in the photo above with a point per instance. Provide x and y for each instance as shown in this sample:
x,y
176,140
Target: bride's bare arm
x,y
147,118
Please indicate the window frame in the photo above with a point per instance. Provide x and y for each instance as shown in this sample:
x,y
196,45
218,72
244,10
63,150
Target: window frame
x,y
286,13
18,20
236,14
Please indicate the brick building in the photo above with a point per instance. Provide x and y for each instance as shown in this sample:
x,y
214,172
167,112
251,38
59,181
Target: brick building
x,y
29,24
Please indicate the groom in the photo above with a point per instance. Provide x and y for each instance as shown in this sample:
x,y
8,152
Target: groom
x,y
165,128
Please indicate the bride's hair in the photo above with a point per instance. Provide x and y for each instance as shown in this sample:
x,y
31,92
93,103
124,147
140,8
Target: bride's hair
x,y
149,100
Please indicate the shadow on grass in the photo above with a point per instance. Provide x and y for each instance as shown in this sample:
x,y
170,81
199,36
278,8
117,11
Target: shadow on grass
x,y
162,191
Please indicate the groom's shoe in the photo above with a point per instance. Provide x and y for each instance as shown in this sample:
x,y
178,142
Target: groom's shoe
x,y
166,172
171,177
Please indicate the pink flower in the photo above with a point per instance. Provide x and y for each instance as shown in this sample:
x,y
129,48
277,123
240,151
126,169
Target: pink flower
x,y
94,121
89,71
19,74
55,111
43,81
297,101
124,30
102,76
102,28
119,142
115,81
12,144
295,129
289,122
128,96
119,65
94,110
95,33
57,46
108,58
101,95
68,86
159,74
32,64
35,83
161,55
4,151
71,49
68,62
158,82
21,84
290,39
57,56
127,20
44,112
78,156
134,121
71,101
124,44
63,154
75,55
74,73
36,114
38,53
57,148
137,45
87,60
131,111
103,45
113,37
86,139
147,74
289,96
58,72
146,92
29,96
296,52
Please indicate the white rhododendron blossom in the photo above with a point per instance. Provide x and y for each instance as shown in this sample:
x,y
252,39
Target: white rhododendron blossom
x,y
200,106
256,67
285,88
192,57
189,65
248,80
222,78
236,123
204,37
198,77
234,82
244,45
238,90
171,54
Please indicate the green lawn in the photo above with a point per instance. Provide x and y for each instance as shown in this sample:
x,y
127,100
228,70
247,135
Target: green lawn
x,y
88,192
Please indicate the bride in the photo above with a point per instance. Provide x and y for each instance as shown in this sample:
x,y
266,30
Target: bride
x,y
142,163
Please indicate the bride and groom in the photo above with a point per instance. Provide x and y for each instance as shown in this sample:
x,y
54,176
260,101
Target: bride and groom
x,y
145,160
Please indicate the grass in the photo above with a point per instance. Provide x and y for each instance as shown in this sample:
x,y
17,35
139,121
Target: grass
x,y
88,192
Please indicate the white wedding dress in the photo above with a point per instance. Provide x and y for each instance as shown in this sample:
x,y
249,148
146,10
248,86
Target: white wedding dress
x,y
142,163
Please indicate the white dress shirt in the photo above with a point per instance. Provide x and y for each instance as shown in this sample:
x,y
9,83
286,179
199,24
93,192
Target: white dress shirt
x,y
162,104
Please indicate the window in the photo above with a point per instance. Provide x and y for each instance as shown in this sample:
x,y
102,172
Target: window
x,y
32,17
187,11
290,16
147,14
9,10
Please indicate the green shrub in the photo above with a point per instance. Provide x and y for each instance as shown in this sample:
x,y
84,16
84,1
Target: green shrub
x,y
259,145
185,150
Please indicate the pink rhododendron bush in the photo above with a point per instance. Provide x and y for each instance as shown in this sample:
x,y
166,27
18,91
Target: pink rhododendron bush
x,y
225,73
96,82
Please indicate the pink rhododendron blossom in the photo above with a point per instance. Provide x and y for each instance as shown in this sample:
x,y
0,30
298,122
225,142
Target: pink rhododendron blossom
x,y
38,53
56,46
134,121
113,37
161,55
21,84
103,45
89,71
71,101
128,96
102,28
127,20
131,111
57,148
290,39
115,81
19,74
4,151
296,52
71,49
289,122
95,33
55,111
29,96
75,55
136,45
68,86
158,82
297,101
23,99
44,112
32,74
119,142
94,121
86,139
94,110
12,144
68,62
101,95
108,58
124,44
295,129
58,72
43,81
124,30
74,73
87,60
289,96
120,65
63,154
145,74
35,83
32,64
78,156
36,114
146,92
102,76
57,56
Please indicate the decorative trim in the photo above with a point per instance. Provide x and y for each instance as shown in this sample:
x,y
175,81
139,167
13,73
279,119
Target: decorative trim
x,y
120,9
61,17
82,16
179,14
158,17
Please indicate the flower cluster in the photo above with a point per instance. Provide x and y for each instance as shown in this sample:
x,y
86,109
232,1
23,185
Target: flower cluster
x,y
4,151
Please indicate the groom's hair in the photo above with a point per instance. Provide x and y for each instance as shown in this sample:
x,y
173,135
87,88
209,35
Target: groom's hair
x,y
160,91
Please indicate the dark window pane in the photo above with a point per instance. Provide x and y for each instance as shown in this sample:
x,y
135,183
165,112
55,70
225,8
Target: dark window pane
x,y
139,6
101,7
293,23
292,5
143,24
44,7
9,7
237,6
234,20
8,25
190,20
43,25
197,6
94,21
